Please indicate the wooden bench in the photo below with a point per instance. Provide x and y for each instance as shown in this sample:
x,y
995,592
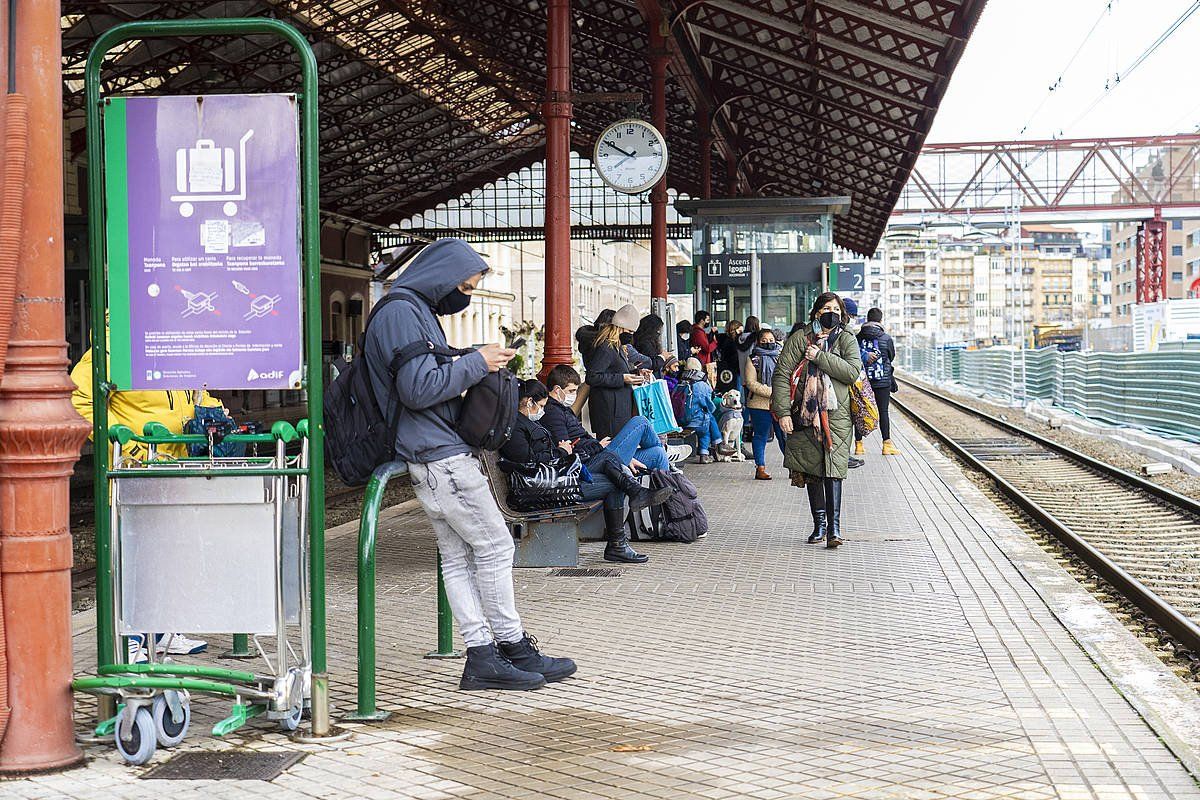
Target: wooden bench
x,y
544,538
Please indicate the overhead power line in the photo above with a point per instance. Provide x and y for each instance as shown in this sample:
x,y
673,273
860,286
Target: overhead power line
x,y
1058,81
1115,81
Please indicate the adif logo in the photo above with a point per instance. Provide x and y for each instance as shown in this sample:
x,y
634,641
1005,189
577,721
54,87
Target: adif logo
x,y
255,375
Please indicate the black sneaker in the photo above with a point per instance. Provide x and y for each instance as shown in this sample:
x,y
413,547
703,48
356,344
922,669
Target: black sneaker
x,y
524,655
488,668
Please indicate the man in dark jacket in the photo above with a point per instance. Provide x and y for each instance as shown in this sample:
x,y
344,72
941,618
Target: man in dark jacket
x,y
704,340
879,355
473,539
636,443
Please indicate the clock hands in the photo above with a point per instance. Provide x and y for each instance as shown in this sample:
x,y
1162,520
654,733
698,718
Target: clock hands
x,y
625,153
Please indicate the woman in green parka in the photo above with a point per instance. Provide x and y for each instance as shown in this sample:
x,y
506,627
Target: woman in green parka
x,y
812,404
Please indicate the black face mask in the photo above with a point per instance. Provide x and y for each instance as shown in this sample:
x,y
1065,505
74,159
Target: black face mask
x,y
452,303
626,338
829,320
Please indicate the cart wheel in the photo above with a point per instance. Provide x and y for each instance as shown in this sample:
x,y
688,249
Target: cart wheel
x,y
140,747
292,721
169,732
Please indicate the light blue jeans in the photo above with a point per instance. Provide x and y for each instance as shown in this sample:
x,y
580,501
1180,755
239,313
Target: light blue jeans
x,y
638,440
707,434
476,546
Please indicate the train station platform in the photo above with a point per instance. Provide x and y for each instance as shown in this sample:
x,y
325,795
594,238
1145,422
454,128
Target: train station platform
x,y
927,658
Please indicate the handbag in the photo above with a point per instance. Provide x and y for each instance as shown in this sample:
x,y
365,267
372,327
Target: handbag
x,y
863,408
653,402
545,485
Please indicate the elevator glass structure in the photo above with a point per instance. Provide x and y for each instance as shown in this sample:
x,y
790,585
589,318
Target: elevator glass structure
x,y
762,256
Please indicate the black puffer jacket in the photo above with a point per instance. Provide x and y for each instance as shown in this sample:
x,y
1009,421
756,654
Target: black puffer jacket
x,y
530,443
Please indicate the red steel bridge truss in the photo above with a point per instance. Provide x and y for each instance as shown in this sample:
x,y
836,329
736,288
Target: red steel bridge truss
x,y
1138,180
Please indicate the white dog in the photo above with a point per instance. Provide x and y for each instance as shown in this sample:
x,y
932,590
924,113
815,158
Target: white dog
x,y
729,421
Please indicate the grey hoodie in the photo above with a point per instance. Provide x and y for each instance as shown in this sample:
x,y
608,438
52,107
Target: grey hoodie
x,y
428,387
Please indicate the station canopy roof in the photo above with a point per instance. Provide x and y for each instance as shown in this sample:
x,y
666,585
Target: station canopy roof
x,y
425,100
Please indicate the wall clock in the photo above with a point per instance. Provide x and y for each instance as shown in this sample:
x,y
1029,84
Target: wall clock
x,y
630,155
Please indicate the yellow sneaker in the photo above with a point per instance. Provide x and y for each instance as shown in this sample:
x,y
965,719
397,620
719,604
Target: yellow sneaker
x,y
859,450
889,449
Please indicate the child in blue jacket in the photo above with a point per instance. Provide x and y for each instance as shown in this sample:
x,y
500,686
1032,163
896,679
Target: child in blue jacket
x,y
699,409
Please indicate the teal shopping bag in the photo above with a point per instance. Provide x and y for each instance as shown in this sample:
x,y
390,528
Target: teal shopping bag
x,y
653,402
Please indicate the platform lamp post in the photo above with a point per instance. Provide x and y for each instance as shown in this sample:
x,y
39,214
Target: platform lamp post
x,y
40,432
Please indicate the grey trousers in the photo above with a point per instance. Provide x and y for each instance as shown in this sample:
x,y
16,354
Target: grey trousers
x,y
476,547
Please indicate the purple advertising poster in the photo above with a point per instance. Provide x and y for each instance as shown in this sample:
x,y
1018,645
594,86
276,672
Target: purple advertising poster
x,y
203,241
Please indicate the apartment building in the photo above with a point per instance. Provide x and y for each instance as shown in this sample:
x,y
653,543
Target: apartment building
x,y
903,281
1183,264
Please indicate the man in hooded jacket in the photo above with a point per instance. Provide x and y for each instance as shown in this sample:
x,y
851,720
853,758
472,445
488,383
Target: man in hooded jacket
x,y
473,539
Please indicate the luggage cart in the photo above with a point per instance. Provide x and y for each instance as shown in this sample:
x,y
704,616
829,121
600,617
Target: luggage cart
x,y
239,524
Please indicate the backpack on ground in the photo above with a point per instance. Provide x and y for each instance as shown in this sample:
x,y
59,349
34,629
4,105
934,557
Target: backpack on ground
x,y
681,518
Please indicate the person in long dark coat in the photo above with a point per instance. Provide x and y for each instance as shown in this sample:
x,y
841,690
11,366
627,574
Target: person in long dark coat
x,y
613,369
647,340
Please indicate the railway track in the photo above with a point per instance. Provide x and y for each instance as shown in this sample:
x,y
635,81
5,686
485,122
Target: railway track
x,y
1142,538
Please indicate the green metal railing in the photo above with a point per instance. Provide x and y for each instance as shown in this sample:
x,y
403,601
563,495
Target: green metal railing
x,y
311,286
368,533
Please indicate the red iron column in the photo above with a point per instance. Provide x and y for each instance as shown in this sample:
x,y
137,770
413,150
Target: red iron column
x,y
658,195
704,123
40,433
1151,258
557,114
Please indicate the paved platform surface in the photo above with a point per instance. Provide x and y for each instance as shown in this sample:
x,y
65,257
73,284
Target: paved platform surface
x,y
915,662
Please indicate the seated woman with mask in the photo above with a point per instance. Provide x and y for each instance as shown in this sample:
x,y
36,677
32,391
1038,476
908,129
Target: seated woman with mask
x,y
611,480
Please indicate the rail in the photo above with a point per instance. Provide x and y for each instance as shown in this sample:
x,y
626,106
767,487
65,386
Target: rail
x,y
1174,622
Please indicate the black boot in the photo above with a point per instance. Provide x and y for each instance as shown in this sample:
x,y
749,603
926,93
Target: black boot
x,y
639,496
525,655
833,511
488,668
816,504
618,548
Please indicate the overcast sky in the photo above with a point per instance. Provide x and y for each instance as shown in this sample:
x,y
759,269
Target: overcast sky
x,y
1020,48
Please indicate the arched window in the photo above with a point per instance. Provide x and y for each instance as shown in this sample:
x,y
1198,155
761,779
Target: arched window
x,y
337,317
354,318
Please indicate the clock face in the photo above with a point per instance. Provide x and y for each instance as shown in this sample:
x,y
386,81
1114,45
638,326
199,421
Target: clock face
x,y
631,156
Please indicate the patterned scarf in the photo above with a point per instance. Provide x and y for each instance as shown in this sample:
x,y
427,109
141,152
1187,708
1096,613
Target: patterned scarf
x,y
812,394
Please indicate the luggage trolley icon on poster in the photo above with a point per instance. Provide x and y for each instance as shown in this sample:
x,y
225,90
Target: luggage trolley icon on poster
x,y
207,173
238,523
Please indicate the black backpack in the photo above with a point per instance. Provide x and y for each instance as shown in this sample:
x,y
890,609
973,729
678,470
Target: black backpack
x,y
359,437
681,518
489,408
